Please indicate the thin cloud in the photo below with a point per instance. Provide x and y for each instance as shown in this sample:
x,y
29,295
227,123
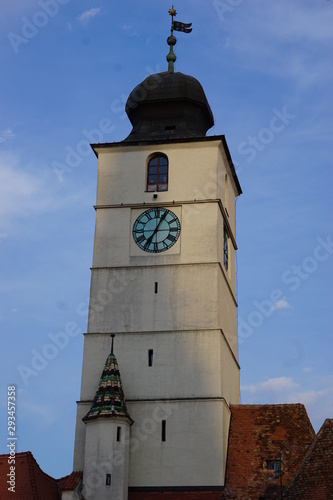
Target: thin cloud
x,y
280,390
130,30
25,192
281,304
87,15
302,26
308,398
6,135
45,414
276,384
18,188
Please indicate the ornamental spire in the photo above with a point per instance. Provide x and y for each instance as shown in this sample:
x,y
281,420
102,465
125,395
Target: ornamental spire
x,y
109,400
172,40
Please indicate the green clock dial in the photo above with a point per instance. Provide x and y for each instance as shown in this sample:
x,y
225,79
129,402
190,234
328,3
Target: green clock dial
x,y
156,230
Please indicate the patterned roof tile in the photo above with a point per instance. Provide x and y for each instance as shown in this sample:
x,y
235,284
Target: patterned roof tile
x,y
109,400
31,482
71,481
314,478
258,436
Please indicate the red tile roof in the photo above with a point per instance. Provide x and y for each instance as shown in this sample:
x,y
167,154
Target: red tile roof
x,y
314,478
71,481
259,433
31,483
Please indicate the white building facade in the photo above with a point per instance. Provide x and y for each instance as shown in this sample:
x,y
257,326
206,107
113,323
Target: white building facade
x,y
164,282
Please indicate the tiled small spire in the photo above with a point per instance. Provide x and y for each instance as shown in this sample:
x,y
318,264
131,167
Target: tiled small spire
x,y
109,399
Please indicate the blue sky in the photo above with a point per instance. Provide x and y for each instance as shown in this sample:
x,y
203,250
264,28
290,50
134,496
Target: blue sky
x,y
67,69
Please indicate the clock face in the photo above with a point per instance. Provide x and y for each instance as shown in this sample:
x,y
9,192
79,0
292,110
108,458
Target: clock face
x,y
156,230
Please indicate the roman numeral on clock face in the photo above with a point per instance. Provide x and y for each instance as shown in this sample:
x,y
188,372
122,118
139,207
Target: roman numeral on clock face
x,y
156,230
149,215
140,239
172,220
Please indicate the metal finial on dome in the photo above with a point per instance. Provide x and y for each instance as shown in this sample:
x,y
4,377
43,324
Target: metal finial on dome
x,y
175,26
171,57
112,336
172,12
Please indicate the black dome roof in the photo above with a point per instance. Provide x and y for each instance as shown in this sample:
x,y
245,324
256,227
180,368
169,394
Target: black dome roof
x,y
168,105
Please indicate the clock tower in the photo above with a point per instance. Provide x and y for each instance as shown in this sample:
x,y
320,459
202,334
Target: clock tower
x,y
163,282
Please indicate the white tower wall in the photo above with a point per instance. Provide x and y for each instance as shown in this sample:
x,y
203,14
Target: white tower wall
x,y
188,324
105,455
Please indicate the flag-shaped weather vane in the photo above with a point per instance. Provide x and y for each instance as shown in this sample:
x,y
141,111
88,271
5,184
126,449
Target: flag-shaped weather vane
x,y
175,26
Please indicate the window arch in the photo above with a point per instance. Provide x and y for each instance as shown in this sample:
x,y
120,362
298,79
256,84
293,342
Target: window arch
x,y
158,173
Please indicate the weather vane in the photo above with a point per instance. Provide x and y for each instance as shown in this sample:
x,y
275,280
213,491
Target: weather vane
x,y
172,12
175,26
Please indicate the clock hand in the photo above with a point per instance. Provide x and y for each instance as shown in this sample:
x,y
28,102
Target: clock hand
x,y
149,240
161,219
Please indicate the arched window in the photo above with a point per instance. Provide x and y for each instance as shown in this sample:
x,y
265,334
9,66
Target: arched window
x,y
157,174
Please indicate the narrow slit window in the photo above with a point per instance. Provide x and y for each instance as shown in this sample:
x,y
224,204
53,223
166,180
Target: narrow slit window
x,y
150,357
156,287
163,430
108,480
226,202
118,434
158,173
225,249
